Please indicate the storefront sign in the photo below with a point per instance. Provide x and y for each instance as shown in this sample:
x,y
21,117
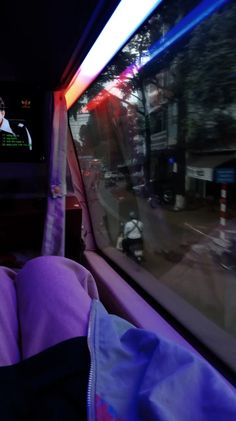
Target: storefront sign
x,y
225,175
200,173
159,141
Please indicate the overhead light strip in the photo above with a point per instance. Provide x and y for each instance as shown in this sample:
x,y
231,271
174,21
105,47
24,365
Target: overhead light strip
x,y
186,24
126,19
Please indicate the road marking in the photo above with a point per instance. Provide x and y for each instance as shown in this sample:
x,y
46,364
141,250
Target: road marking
x,y
199,232
219,241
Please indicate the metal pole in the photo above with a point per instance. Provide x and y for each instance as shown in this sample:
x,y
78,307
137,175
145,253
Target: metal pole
x,y
223,207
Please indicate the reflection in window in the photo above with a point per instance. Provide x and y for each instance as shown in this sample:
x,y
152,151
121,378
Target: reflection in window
x,y
157,136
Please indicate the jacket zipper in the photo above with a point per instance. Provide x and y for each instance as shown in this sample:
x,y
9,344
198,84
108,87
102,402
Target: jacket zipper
x,y
91,380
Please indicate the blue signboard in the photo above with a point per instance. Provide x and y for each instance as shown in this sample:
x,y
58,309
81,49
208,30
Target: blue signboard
x,y
225,175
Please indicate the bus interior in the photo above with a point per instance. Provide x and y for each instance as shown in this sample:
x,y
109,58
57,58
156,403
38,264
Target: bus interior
x,y
149,130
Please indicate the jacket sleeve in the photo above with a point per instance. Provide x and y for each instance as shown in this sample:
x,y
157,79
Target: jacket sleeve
x,y
141,376
178,385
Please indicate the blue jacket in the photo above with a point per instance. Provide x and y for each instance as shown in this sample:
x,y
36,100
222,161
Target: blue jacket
x,y
137,376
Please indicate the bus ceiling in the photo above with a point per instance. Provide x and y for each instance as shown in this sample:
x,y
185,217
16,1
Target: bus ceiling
x,y
44,42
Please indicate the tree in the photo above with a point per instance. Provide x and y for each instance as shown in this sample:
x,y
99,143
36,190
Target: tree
x,y
201,78
211,82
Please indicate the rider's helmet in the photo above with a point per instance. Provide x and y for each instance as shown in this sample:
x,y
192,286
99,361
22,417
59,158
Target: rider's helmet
x,y
132,215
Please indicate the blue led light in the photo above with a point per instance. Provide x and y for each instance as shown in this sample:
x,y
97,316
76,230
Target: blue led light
x,y
204,9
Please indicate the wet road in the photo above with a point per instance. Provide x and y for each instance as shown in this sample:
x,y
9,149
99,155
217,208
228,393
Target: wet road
x,y
177,255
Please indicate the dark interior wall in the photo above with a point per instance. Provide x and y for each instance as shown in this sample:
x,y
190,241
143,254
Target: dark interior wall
x,y
23,180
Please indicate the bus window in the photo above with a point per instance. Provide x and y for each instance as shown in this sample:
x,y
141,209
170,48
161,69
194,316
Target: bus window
x,y
161,122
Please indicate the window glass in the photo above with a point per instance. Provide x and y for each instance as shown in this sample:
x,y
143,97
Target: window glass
x,y
156,135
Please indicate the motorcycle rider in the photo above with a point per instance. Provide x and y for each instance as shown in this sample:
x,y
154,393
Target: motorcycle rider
x,y
133,233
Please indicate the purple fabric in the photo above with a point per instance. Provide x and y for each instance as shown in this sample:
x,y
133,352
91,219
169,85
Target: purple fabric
x,y
9,330
51,296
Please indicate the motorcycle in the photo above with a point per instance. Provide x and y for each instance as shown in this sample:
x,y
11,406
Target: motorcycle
x,y
155,197
132,248
164,198
135,251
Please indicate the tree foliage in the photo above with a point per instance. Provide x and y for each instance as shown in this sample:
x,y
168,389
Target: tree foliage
x,y
210,85
201,74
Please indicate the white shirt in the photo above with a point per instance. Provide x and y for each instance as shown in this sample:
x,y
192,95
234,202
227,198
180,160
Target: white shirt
x,y
5,126
133,229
